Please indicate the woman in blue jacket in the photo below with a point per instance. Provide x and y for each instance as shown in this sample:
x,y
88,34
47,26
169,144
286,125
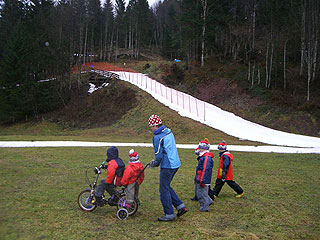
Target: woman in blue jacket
x,y
166,156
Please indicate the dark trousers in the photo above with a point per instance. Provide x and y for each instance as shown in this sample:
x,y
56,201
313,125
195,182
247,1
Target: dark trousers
x,y
103,186
219,184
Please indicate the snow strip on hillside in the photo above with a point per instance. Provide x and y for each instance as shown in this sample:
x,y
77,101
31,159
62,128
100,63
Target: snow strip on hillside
x,y
225,121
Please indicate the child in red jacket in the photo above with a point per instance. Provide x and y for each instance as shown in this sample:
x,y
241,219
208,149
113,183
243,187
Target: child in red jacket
x,y
132,177
115,170
225,173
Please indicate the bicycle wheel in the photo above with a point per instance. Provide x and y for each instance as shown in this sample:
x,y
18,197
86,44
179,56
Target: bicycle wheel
x,y
132,209
122,214
86,200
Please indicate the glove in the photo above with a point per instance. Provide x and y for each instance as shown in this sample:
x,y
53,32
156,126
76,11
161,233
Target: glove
x,y
202,185
152,164
103,166
197,152
97,170
223,178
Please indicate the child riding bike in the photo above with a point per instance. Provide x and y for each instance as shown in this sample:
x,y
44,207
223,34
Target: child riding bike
x,y
133,176
115,169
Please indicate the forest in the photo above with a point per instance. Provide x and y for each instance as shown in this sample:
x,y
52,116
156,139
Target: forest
x,y
277,41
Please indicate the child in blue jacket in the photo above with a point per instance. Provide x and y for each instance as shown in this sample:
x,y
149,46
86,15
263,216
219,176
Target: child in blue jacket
x,y
203,176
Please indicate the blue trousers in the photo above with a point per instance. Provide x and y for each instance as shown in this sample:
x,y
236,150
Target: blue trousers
x,y
168,196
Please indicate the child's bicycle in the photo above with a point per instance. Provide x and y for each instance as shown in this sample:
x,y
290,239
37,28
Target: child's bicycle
x,y
87,200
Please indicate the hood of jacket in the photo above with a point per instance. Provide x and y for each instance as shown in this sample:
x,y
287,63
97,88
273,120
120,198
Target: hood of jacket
x,y
162,129
112,153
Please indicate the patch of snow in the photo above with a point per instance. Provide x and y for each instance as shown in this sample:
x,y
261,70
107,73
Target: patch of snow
x,y
93,87
237,148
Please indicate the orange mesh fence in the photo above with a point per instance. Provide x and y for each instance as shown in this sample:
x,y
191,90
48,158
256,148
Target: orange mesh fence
x,y
103,66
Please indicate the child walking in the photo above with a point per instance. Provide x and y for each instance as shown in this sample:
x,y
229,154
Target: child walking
x,y
203,176
225,173
133,176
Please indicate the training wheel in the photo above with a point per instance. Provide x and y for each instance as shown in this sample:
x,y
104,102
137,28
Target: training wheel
x,y
122,214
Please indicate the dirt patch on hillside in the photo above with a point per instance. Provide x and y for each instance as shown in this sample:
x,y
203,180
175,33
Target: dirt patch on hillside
x,y
224,93
102,108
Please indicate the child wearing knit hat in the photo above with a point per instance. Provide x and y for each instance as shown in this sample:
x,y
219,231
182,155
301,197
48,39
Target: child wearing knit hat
x,y
203,175
225,173
133,176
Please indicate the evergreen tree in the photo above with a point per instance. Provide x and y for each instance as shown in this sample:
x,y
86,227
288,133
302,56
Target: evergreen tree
x,y
11,13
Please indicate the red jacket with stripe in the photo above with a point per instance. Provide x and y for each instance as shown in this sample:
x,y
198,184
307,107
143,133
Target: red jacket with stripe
x,y
225,166
204,169
132,172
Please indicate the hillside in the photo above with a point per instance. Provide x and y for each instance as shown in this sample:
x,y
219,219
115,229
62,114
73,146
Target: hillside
x,y
225,86
122,109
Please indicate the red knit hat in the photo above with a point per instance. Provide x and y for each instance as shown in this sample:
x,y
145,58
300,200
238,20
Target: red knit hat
x,y
204,144
154,120
222,146
133,155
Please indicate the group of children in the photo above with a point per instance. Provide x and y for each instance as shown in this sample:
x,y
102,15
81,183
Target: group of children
x,y
119,175
132,176
202,180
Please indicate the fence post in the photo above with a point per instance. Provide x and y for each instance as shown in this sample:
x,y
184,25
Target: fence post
x,y
196,107
204,111
166,92
177,98
182,100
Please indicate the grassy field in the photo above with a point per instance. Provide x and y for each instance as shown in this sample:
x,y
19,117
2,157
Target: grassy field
x,y
40,186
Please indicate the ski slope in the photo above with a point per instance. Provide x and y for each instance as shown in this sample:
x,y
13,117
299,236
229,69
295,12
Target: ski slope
x,y
215,117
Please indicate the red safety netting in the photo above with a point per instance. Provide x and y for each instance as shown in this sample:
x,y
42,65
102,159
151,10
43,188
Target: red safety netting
x,y
103,66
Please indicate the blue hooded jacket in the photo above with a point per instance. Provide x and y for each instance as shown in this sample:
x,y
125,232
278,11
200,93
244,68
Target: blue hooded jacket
x,y
204,169
165,150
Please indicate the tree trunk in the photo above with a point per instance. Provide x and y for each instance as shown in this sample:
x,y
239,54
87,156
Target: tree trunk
x,y
254,25
303,35
85,45
270,67
284,65
111,44
249,69
316,9
105,42
116,47
252,74
267,73
204,6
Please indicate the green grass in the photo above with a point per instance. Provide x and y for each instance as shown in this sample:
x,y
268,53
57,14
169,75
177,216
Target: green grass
x,y
39,189
40,186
